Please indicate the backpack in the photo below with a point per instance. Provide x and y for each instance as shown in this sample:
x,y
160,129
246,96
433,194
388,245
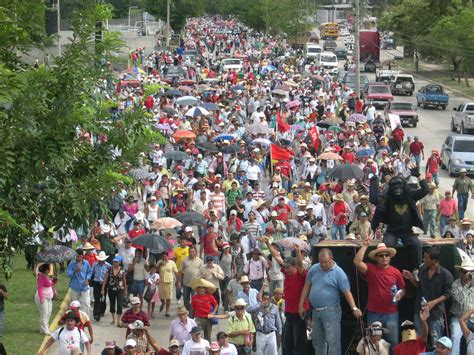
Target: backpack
x,y
62,328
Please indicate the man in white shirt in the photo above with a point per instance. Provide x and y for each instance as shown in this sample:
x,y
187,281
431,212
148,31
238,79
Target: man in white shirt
x,y
71,339
197,345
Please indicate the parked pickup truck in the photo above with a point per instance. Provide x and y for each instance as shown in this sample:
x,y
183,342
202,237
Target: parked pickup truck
x,y
405,111
378,94
432,95
385,75
463,118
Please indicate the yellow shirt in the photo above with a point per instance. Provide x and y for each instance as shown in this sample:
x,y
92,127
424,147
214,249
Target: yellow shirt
x,y
167,270
180,254
226,184
235,324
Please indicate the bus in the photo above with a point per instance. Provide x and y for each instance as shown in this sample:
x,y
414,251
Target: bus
x,y
329,30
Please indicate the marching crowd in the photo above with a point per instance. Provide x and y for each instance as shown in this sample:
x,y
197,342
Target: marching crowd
x,y
261,164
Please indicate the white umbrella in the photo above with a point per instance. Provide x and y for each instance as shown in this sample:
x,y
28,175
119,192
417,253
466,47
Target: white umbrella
x,y
197,111
187,100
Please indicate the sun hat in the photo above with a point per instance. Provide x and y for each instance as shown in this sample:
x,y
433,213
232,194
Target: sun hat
x,y
466,264
88,246
350,236
338,197
102,256
465,221
240,303
381,247
173,343
105,228
244,279
138,324
445,341
300,214
204,283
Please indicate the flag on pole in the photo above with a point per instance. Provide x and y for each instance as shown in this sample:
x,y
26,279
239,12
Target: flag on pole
x,y
314,135
282,125
279,153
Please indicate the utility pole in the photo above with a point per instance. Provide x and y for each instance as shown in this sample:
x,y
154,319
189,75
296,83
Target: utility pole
x,y
357,48
58,7
168,27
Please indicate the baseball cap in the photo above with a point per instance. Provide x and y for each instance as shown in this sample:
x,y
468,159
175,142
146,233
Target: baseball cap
x,y
134,300
188,229
75,304
110,344
300,214
196,330
214,346
173,343
445,341
131,342
274,214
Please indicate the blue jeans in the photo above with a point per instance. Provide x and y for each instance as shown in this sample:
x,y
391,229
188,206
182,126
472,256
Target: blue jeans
x,y
429,222
327,331
1,323
390,321
417,159
462,204
443,222
341,228
435,328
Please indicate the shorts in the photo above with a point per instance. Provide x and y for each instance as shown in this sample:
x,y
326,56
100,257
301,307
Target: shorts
x,y
138,287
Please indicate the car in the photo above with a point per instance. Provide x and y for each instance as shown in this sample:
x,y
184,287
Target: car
x,y
329,45
378,94
175,74
385,75
463,118
349,80
232,64
344,32
388,43
341,53
402,84
328,61
312,51
405,110
432,95
349,39
457,153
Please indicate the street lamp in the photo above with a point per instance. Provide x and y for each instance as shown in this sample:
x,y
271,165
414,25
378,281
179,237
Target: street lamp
x,y
129,10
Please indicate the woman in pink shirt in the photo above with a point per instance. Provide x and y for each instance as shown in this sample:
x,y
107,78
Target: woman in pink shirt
x,y
44,297
447,208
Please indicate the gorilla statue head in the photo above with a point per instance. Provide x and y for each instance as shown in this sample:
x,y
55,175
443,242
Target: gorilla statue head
x,y
397,188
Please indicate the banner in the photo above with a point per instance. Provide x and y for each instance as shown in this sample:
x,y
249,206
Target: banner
x,y
282,125
279,153
314,135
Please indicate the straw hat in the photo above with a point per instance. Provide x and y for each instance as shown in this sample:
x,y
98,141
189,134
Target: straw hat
x,y
466,264
239,303
338,197
259,204
466,221
88,246
102,256
244,279
381,247
204,283
350,236
182,310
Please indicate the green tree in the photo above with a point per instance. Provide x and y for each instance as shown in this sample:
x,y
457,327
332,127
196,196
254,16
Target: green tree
x,y
180,10
49,171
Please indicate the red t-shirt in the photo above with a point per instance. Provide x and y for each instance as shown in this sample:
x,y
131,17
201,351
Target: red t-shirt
x,y
432,164
379,282
416,147
133,234
209,244
292,287
411,347
202,305
339,210
283,212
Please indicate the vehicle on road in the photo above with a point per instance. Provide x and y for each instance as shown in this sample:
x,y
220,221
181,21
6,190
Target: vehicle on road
x,y
405,110
344,32
385,76
457,152
432,95
402,84
312,51
329,30
328,61
232,64
175,74
463,118
378,94
349,80
388,43
341,53
369,46
329,45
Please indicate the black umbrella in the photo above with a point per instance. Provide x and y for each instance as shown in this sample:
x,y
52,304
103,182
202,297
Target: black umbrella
x,y
176,155
170,111
174,92
155,242
191,218
208,146
231,149
346,172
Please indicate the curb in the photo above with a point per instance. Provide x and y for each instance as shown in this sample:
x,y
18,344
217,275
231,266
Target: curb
x,y
54,324
457,92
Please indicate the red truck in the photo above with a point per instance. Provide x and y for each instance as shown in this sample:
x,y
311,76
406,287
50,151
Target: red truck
x,y
369,47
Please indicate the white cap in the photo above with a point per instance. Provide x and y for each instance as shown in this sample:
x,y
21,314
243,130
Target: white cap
x,y
188,229
130,342
300,214
199,156
75,304
274,214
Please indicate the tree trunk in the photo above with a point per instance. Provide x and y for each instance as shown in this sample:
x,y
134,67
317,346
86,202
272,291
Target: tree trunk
x,y
466,78
459,77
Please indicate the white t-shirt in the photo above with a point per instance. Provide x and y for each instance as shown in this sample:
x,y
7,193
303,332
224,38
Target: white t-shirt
x,y
192,348
230,349
69,339
252,172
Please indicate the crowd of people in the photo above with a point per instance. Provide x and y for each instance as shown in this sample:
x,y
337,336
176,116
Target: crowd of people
x,y
253,155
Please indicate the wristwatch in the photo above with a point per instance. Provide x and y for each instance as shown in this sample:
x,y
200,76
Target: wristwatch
x,y
355,309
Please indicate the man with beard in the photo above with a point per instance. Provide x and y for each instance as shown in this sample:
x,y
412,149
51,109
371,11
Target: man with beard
x,y
398,211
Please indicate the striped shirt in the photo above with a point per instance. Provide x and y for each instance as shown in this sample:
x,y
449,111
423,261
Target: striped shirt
x,y
257,195
219,201
253,229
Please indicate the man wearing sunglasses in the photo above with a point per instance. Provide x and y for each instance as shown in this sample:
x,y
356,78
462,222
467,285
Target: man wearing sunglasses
x,y
386,287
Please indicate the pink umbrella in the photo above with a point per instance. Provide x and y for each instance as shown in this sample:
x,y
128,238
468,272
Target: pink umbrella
x,y
292,104
185,88
289,243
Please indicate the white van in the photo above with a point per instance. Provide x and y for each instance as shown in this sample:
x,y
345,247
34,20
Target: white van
x,y
328,61
232,64
312,51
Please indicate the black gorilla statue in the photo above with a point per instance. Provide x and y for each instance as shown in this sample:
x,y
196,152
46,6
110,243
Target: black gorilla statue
x,y
397,210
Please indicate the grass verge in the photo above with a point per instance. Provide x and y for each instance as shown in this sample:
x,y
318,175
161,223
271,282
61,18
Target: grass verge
x,y
21,333
439,73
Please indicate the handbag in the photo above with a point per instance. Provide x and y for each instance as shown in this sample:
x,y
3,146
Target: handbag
x,y
149,294
214,321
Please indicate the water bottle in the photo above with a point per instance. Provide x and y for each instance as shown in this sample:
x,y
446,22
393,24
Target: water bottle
x,y
393,291
423,303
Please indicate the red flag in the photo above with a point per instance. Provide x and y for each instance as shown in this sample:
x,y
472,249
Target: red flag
x,y
279,153
282,126
314,134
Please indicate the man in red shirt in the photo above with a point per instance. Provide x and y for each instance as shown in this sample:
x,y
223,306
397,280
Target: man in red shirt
x,y
210,243
432,166
411,344
417,151
398,135
282,209
285,170
348,156
386,287
294,333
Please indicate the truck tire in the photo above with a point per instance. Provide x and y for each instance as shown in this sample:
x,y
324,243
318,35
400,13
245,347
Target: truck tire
x,y
453,127
450,172
415,124
443,107
462,130
417,103
424,105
